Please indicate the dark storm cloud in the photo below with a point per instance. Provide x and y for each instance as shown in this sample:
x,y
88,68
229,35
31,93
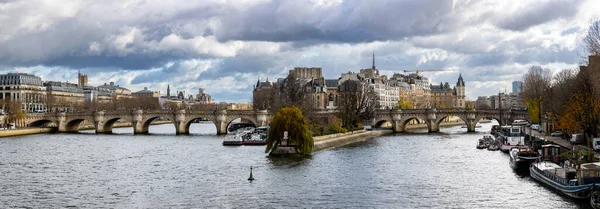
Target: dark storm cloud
x,y
352,21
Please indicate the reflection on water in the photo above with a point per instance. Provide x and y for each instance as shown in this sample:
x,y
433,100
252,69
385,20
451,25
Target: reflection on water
x,y
161,170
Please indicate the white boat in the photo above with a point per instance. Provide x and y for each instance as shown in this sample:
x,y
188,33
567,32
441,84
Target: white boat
x,y
476,126
574,182
238,137
233,139
510,137
519,123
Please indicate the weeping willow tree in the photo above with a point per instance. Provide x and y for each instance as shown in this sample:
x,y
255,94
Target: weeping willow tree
x,y
290,119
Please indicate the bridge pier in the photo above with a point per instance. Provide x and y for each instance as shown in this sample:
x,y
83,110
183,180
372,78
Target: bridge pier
x,y
221,122
100,123
61,121
397,126
432,125
137,122
181,125
471,123
261,117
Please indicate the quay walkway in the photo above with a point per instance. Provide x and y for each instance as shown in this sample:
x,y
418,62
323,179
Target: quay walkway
x,y
559,141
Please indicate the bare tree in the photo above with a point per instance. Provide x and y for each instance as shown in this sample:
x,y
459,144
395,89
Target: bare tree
x,y
265,98
536,83
564,84
591,40
482,106
293,92
356,102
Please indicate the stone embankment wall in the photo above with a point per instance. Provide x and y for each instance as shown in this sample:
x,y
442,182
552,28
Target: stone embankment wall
x,y
25,131
328,141
341,139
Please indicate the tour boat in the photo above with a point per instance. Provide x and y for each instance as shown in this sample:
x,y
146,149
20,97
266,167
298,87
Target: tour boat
x,y
510,137
238,137
521,157
256,139
574,182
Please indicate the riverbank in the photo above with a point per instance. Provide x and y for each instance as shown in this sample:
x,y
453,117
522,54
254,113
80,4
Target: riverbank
x,y
29,131
341,139
564,143
25,131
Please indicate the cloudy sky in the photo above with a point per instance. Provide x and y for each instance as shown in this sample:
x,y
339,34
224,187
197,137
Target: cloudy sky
x,y
226,45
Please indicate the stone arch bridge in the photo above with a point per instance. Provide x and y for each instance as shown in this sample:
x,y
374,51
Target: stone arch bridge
x,y
399,118
103,121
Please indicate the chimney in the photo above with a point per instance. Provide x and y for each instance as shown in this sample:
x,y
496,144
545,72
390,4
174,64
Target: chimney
x,y
112,83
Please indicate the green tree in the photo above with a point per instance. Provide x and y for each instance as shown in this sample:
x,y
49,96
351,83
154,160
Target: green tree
x,y
290,119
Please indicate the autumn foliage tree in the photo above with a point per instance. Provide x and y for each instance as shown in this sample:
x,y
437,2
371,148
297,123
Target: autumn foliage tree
x,y
290,119
536,83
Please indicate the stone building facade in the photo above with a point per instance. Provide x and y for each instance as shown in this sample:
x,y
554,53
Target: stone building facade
x,y
25,88
443,96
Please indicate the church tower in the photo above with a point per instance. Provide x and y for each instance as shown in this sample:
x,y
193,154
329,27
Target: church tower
x,y
168,91
82,79
460,92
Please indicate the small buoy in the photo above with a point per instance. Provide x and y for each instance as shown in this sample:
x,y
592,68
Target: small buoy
x,y
251,178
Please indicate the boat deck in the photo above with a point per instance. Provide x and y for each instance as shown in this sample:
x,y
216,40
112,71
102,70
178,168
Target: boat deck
x,y
553,168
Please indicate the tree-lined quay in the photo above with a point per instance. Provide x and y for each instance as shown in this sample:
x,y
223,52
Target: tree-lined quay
x,y
570,99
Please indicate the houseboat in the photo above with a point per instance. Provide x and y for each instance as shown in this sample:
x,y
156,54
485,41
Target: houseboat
x,y
573,181
521,157
510,137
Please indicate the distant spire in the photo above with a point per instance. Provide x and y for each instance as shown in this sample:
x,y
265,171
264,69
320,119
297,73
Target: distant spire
x,y
373,59
267,78
168,90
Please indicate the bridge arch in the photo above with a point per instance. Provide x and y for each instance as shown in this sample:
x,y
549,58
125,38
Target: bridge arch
x,y
42,123
406,120
478,119
73,125
189,122
439,120
247,120
145,124
109,124
380,123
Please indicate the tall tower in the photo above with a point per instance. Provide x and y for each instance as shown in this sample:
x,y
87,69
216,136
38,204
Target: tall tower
x,y
168,91
82,79
373,60
460,91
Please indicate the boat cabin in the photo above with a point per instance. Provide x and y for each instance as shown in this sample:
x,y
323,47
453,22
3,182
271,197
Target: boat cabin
x,y
511,131
550,152
589,173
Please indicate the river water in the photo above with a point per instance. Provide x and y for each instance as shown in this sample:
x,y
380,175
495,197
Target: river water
x,y
161,170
